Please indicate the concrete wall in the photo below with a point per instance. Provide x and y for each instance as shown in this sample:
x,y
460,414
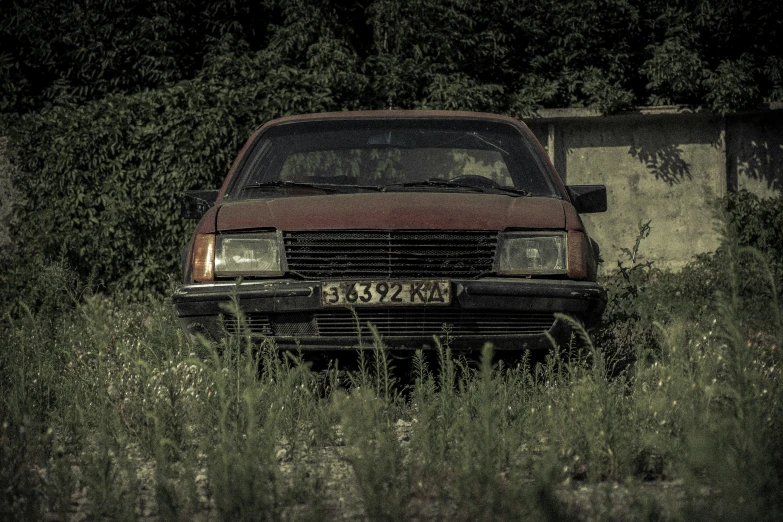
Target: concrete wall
x,y
665,165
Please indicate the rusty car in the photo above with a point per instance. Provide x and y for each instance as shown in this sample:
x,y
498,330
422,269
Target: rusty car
x,y
417,225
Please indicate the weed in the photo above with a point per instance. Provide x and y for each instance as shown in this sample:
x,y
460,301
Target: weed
x,y
107,409
374,453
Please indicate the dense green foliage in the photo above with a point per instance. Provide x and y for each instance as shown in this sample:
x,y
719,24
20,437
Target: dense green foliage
x,y
757,222
65,52
494,54
102,180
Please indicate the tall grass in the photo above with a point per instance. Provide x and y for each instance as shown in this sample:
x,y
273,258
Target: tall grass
x,y
109,412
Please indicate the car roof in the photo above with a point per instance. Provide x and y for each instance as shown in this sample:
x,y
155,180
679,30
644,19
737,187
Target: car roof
x,y
395,114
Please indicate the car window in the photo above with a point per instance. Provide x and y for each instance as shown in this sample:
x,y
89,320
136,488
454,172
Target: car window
x,y
393,165
359,154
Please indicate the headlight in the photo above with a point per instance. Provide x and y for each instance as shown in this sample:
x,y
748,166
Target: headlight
x,y
523,253
249,254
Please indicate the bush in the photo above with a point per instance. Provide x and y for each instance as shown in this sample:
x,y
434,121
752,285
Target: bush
x,y
100,182
747,267
756,222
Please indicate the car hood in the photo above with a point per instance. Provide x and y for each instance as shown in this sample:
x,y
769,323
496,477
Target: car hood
x,y
393,210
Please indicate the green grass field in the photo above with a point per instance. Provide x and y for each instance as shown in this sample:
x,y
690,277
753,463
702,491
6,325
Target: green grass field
x,y
671,412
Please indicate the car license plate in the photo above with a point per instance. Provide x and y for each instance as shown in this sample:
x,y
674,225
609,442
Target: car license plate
x,y
386,293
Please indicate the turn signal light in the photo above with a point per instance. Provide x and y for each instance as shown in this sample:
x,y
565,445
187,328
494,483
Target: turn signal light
x,y
577,255
204,258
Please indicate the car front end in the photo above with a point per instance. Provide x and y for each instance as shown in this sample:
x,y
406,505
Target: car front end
x,y
334,248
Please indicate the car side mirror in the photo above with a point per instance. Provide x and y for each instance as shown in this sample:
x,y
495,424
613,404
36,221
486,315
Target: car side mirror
x,y
195,203
588,198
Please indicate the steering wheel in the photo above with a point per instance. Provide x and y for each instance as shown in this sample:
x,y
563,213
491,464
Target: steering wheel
x,y
472,180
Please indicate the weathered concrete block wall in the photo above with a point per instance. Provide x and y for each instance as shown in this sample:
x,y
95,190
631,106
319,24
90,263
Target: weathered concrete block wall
x,y
663,165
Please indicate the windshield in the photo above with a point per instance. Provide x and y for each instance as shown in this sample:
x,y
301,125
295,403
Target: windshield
x,y
354,155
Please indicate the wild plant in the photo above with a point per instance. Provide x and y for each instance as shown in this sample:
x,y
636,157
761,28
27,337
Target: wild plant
x,y
241,431
366,417
734,443
627,321
484,441
107,394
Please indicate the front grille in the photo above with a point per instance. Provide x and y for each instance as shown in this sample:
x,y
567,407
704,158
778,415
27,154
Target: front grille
x,y
405,322
399,322
256,324
380,254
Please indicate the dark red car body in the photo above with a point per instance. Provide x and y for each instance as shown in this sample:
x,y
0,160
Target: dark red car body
x,y
511,311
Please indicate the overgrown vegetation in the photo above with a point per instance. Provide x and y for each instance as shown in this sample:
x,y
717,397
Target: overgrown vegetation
x,y
117,108
672,413
497,54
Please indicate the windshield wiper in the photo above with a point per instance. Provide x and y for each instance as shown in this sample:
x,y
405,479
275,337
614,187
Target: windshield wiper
x,y
327,187
284,184
434,182
512,190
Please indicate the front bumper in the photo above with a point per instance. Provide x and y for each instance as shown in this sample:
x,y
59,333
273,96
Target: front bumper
x,y
510,313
